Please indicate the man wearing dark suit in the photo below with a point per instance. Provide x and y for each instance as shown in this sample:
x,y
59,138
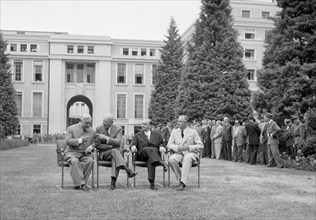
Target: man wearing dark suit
x,y
253,133
165,133
206,139
111,147
79,139
147,144
264,142
227,139
273,131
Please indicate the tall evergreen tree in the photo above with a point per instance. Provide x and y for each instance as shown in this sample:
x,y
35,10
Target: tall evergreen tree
x,y
214,81
166,77
288,78
8,111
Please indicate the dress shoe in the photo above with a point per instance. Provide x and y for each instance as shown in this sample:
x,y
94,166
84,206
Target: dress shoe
x,y
77,187
131,174
153,186
113,186
84,188
181,186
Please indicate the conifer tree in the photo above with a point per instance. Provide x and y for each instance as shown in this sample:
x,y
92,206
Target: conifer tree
x,y
8,110
166,77
288,78
214,81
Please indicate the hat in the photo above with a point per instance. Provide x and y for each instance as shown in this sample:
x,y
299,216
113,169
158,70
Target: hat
x,y
287,120
294,117
269,115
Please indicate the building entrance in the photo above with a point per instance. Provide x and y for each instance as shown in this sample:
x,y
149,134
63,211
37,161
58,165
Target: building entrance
x,y
77,106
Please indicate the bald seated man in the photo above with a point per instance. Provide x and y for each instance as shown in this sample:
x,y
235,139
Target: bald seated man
x,y
80,142
111,148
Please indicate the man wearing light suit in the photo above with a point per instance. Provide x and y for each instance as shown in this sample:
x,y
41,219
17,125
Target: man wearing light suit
x,y
111,147
184,142
79,139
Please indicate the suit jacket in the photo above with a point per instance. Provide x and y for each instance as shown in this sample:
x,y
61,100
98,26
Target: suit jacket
x,y
206,134
165,133
115,139
253,133
141,141
191,138
239,135
74,133
263,135
218,134
299,132
272,131
227,132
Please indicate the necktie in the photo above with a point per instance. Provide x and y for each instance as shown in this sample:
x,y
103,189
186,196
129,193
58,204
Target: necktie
x,y
107,132
182,134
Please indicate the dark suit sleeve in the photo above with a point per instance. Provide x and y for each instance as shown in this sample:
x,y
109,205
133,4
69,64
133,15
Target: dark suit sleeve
x,y
117,140
257,130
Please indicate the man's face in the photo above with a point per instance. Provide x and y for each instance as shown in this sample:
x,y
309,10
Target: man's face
x,y
107,123
86,123
265,118
182,123
146,126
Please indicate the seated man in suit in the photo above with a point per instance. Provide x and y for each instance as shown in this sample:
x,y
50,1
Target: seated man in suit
x,y
79,139
111,140
184,142
147,144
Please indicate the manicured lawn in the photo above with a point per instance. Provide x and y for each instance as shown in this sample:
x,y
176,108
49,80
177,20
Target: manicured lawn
x,y
229,191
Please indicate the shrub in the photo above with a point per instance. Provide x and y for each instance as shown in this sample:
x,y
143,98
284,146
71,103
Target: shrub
x,y
6,144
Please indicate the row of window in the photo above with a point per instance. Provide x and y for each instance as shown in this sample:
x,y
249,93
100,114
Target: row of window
x,y
36,129
80,49
23,47
139,52
36,103
246,14
121,107
37,75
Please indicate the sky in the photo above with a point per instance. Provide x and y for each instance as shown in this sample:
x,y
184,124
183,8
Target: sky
x,y
130,19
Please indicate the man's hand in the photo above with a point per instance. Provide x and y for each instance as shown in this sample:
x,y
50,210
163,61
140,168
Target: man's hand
x,y
103,137
85,138
133,149
162,150
89,149
183,148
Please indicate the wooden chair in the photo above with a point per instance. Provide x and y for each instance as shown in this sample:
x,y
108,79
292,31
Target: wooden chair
x,y
194,164
108,163
61,162
138,163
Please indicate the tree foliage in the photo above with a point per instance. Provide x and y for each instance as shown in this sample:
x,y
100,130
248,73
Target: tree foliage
x,y
8,110
288,78
166,77
214,81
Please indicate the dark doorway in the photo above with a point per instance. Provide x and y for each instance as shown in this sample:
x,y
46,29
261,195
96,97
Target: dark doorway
x,y
77,106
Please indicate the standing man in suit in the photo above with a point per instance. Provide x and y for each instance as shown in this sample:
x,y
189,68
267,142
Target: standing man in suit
x,y
111,148
239,139
185,143
206,139
147,144
273,143
264,141
253,133
79,139
227,139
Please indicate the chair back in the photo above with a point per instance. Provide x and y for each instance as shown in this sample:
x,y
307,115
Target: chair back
x,y
61,146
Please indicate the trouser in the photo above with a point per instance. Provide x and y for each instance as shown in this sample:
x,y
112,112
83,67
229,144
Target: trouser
x,y
81,165
264,147
290,151
152,156
207,149
212,149
235,151
274,156
247,153
227,147
117,160
218,149
253,149
240,153
186,160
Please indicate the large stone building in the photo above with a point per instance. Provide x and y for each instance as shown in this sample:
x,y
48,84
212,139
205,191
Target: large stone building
x,y
58,76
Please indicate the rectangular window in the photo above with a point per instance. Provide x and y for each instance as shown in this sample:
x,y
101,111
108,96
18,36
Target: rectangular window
x,y
13,47
80,73
37,129
249,34
139,74
90,73
90,49
125,51
18,100
143,52
121,106
18,65
23,47
152,52
153,69
250,74
249,54
121,73
37,104
33,48
265,14
70,73
18,130
245,13
38,71
70,48
80,49
139,106
134,51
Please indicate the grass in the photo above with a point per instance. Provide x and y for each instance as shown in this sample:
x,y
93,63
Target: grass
x,y
229,191
6,144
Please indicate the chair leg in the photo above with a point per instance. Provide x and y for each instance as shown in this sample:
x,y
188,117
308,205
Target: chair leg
x,y
127,179
199,175
97,176
169,176
163,176
62,175
134,177
92,177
